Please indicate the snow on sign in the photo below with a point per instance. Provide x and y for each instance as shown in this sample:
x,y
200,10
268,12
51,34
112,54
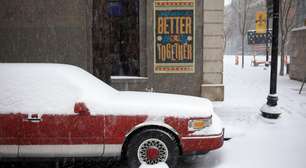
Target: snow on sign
x,y
174,36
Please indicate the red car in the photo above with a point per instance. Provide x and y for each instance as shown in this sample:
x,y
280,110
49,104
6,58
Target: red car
x,y
55,110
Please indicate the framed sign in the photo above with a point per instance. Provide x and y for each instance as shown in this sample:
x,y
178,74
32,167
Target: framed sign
x,y
174,36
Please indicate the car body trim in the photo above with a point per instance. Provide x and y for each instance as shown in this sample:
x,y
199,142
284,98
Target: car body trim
x,y
152,123
81,150
8,150
112,150
205,136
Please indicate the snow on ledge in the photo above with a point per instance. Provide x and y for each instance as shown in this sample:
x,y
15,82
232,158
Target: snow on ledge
x,y
299,28
127,77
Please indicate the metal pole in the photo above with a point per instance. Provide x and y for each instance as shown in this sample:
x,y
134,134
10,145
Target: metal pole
x,y
267,42
270,110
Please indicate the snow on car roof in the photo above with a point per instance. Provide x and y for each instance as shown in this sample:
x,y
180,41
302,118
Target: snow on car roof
x,y
46,88
55,88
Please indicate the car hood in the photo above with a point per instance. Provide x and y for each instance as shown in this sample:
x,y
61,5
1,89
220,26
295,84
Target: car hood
x,y
159,104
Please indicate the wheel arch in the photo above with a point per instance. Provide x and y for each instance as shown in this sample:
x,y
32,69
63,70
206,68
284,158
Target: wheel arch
x,y
163,127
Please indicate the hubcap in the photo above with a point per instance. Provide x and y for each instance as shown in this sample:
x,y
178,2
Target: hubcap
x,y
152,151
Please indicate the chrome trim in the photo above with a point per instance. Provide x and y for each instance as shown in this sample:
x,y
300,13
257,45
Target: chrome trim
x,y
204,136
150,123
8,151
82,150
111,150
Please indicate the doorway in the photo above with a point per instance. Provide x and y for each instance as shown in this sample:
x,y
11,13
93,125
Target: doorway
x,y
115,38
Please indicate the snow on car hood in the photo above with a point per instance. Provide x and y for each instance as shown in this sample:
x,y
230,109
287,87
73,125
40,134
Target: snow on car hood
x,y
156,104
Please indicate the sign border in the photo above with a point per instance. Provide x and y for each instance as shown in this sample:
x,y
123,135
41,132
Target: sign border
x,y
174,66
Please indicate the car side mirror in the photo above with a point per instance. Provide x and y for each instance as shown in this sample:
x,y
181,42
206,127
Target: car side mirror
x,y
81,109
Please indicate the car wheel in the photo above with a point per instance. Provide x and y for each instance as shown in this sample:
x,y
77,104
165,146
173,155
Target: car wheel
x,y
152,146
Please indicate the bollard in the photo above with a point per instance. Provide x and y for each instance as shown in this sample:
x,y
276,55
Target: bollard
x,y
236,60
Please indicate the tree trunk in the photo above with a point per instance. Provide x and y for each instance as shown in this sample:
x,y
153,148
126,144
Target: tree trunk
x,y
242,51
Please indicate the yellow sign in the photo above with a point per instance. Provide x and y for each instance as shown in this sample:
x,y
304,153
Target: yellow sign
x,y
261,22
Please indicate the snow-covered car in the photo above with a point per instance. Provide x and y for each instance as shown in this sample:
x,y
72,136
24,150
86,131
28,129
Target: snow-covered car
x,y
55,110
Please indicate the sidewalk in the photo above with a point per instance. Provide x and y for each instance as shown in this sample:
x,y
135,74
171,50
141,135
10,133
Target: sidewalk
x,y
257,142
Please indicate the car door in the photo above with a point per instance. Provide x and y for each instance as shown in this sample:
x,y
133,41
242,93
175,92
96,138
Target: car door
x,y
9,134
59,135
51,127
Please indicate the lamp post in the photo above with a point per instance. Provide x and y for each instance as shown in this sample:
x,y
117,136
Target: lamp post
x,y
269,6
270,109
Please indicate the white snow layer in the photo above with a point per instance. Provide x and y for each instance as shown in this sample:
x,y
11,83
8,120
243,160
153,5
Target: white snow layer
x,y
46,88
55,88
158,165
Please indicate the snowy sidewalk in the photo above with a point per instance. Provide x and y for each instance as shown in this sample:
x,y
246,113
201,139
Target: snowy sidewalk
x,y
257,142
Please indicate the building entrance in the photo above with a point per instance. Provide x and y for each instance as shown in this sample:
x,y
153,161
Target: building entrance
x,y
124,40
115,38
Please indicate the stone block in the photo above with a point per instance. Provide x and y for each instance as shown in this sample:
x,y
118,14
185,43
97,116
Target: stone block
x,y
213,16
213,42
213,78
213,4
214,92
213,54
213,29
213,66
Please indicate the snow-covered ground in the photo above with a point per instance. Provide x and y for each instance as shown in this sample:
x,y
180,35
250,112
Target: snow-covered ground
x,y
159,165
257,142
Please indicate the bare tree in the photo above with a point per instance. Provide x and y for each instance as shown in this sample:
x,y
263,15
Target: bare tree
x,y
287,23
242,7
228,26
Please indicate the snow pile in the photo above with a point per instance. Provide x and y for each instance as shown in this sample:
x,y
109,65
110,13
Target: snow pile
x,y
158,165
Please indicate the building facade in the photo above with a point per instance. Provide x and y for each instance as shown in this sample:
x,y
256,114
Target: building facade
x,y
171,46
297,44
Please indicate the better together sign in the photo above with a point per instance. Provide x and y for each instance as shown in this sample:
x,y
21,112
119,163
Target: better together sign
x,y
174,36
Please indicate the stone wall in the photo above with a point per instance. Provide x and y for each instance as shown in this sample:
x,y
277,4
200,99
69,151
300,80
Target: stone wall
x,y
213,52
297,50
176,83
56,31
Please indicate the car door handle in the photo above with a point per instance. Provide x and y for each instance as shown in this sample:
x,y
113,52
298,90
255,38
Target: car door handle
x,y
34,118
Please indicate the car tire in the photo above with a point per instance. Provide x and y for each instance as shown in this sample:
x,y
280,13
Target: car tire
x,y
152,146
